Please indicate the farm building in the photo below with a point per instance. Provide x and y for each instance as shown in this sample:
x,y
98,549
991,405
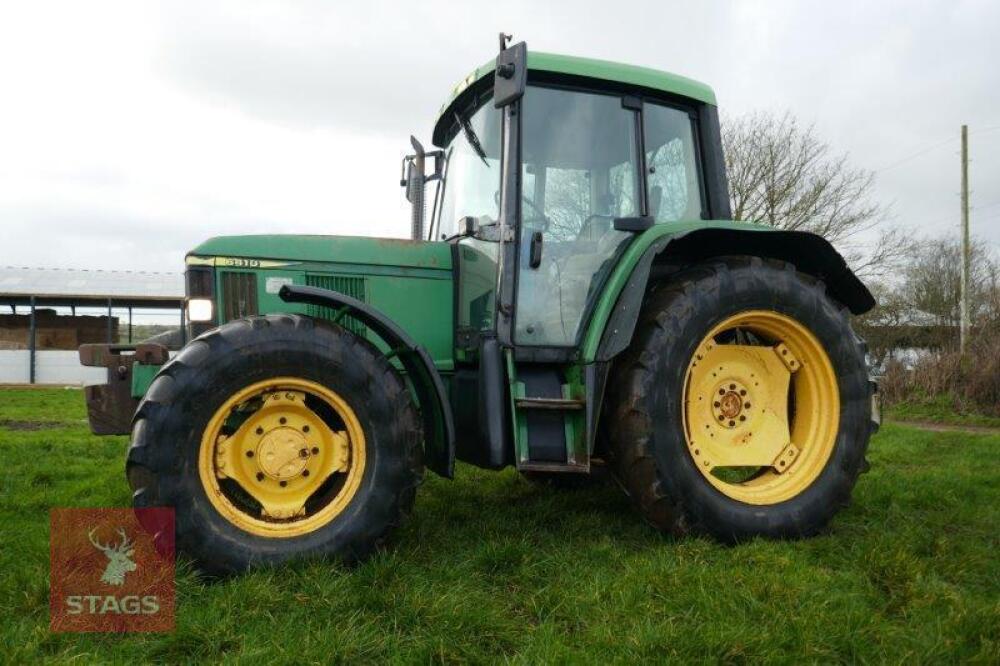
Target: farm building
x,y
53,311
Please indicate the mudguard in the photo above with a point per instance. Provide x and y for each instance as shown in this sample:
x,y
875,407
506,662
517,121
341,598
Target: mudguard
x,y
675,245
435,409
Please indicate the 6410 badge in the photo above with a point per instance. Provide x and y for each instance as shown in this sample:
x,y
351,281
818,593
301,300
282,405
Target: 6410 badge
x,y
111,570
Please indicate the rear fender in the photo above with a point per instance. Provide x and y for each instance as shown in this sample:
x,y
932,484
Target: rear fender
x,y
670,247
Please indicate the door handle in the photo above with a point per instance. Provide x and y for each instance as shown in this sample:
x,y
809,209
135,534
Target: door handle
x,y
535,254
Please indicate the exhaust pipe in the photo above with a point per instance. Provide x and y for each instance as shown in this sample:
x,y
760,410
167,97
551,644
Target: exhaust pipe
x,y
415,181
412,178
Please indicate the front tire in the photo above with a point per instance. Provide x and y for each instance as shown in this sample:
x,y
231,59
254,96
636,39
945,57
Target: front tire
x,y
743,406
277,438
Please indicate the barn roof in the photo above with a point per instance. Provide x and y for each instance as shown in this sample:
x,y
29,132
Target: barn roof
x,y
68,286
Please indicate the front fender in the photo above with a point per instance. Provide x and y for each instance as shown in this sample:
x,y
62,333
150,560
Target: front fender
x,y
435,409
617,309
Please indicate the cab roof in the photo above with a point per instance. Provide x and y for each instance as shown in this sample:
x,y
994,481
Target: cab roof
x,y
604,70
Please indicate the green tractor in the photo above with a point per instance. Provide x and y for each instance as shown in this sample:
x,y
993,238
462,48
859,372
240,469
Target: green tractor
x,y
578,297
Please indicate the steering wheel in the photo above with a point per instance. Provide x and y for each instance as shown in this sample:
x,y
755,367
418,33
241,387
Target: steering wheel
x,y
586,231
538,222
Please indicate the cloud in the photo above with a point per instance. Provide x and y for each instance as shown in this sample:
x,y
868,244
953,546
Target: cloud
x,y
130,130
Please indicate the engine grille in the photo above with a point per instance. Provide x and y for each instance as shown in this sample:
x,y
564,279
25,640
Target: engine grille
x,y
355,287
239,295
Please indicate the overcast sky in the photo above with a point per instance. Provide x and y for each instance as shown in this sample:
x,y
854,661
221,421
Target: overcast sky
x,y
129,132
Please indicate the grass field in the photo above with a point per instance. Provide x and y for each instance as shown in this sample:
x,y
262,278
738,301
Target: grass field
x,y
940,409
492,568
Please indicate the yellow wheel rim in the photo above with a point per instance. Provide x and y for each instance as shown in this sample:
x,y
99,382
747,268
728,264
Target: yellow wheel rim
x,y
282,457
761,407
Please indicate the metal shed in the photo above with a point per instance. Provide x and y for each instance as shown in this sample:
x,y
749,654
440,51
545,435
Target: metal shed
x,y
74,288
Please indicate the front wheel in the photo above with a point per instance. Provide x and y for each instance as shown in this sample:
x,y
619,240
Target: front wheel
x,y
743,407
277,438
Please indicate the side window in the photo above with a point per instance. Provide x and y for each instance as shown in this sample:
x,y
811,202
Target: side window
x,y
673,177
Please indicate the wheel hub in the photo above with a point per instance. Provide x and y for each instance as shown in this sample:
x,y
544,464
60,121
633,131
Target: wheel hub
x,y
283,453
733,403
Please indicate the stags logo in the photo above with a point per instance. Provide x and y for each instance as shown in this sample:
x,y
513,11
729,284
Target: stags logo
x,y
119,558
112,569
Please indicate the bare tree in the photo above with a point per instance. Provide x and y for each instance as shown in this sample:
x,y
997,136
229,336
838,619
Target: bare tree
x,y
783,175
919,307
932,278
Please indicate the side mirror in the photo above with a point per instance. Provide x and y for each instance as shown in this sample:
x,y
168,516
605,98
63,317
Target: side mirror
x,y
511,74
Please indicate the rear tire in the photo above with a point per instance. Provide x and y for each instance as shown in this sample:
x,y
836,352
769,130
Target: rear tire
x,y
166,459
655,456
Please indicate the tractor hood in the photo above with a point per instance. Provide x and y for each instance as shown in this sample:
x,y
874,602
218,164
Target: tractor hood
x,y
326,249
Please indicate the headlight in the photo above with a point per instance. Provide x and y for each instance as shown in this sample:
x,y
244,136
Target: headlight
x,y
199,309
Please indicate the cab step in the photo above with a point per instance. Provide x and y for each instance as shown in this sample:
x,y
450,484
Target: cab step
x,y
549,419
569,468
558,404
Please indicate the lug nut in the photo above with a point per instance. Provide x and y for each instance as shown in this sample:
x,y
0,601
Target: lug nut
x,y
303,453
315,450
282,420
249,454
283,483
259,430
260,476
746,405
305,472
305,428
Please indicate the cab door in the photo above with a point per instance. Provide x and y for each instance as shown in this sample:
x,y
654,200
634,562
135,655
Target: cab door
x,y
580,170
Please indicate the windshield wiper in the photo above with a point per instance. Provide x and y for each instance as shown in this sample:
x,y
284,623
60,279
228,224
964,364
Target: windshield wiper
x,y
470,136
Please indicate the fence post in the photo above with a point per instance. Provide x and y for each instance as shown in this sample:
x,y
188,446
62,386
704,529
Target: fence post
x,y
183,326
32,329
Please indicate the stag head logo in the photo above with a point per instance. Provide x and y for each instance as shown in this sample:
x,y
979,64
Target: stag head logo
x,y
119,558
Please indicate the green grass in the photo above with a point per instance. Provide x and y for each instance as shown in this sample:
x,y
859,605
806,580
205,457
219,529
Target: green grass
x,y
491,568
939,409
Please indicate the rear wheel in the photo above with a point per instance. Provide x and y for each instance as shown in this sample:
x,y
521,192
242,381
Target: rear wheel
x,y
277,438
743,406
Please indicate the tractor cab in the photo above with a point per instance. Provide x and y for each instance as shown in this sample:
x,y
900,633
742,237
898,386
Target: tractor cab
x,y
543,181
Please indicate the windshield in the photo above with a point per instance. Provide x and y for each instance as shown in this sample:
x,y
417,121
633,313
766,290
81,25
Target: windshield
x,y
472,171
